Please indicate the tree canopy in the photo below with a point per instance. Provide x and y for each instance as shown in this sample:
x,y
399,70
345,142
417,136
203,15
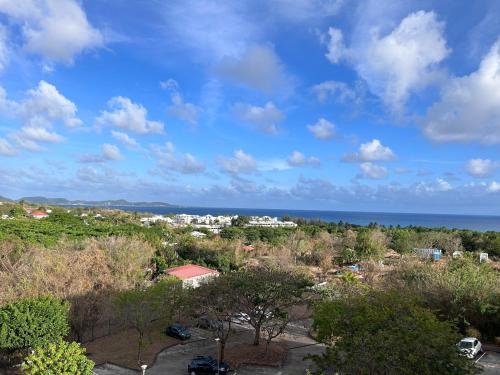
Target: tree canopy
x,y
385,332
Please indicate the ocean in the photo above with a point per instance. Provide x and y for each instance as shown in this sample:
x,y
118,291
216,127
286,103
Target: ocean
x,y
474,222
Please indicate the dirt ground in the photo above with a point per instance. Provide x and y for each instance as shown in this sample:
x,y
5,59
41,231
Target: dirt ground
x,y
121,348
256,355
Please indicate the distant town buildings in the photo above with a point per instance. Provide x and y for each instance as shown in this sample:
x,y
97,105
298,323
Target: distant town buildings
x,y
39,215
215,223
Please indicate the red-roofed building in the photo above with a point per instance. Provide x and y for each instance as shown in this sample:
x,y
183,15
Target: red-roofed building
x,y
39,215
191,274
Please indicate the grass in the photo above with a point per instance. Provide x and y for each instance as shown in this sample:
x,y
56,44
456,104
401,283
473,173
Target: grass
x,y
121,348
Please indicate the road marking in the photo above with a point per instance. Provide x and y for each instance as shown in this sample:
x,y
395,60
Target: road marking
x,y
482,355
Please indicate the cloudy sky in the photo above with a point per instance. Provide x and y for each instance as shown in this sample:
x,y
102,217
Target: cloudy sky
x,y
321,104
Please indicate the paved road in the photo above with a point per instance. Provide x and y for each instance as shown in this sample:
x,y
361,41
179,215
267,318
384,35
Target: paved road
x,y
174,360
490,362
294,363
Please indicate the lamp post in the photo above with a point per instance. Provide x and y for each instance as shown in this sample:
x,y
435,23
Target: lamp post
x,y
144,367
217,340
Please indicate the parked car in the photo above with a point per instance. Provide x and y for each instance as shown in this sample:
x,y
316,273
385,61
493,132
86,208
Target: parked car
x,y
206,323
178,331
202,365
240,318
470,347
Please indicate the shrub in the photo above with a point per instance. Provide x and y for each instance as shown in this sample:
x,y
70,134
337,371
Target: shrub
x,y
32,322
60,358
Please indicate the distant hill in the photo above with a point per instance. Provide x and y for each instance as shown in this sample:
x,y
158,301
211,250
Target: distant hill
x,y
108,203
3,199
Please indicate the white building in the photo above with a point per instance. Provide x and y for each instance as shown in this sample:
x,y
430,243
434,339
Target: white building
x,y
192,275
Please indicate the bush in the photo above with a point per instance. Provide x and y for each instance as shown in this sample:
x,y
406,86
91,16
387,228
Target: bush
x,y
60,358
33,322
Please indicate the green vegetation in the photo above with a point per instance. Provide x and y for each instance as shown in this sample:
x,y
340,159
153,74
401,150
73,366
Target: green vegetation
x,y
106,267
385,332
141,307
58,358
32,322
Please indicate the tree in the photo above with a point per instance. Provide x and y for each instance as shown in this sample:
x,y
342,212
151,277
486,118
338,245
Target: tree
x,y
32,322
217,300
371,244
141,307
266,293
240,221
59,358
464,291
385,332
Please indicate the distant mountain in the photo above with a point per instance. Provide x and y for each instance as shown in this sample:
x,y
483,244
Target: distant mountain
x,y
3,199
108,203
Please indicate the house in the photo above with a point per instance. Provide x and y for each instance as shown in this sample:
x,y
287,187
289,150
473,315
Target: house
x,y
39,215
248,248
197,234
192,275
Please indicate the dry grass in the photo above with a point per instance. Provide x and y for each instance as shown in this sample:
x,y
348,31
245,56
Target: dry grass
x,y
256,355
121,348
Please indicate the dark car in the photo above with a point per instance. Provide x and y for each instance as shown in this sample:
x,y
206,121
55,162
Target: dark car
x,y
202,365
206,323
178,331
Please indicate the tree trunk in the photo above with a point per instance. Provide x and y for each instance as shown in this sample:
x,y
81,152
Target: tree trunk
x,y
139,351
221,353
256,338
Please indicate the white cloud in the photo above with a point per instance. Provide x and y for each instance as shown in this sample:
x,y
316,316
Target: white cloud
x,y
371,151
439,185
6,148
58,30
373,171
469,106
42,108
339,90
180,109
128,115
4,48
336,46
494,187
258,67
298,159
45,104
266,118
480,167
191,24
240,163
109,152
322,129
399,63
40,134
301,10
125,139
185,164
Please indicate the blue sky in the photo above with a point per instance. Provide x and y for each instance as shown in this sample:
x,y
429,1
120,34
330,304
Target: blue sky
x,y
320,104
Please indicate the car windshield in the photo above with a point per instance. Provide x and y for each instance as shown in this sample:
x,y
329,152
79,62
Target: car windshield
x,y
465,344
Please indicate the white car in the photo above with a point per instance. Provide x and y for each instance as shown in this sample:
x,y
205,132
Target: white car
x,y
470,347
240,318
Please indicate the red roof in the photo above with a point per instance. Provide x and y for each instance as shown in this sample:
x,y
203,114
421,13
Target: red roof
x,y
189,271
39,213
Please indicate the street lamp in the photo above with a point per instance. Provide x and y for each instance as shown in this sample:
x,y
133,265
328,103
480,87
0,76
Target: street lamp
x,y
217,340
144,367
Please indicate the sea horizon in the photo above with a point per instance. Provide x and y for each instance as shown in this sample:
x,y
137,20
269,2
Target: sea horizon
x,y
404,219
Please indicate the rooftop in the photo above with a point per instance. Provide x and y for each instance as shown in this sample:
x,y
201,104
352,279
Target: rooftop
x,y
189,271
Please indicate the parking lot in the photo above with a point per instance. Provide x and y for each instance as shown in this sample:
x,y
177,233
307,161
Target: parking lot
x,y
174,360
490,363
